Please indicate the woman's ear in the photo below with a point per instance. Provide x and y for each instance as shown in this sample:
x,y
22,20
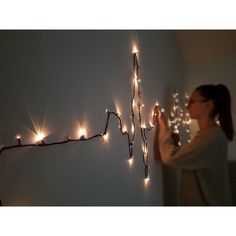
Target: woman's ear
x,y
210,105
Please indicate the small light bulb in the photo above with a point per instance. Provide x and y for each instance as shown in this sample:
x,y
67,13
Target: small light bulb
x,y
106,137
146,181
151,124
39,137
118,111
82,133
133,104
135,50
18,139
135,81
124,129
131,161
162,110
132,128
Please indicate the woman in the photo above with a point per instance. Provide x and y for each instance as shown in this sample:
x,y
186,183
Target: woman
x,y
203,162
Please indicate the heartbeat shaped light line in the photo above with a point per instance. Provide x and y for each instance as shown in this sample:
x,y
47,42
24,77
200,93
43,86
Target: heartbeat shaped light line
x,y
136,88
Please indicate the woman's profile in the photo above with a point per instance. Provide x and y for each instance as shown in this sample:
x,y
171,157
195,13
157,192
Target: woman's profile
x,y
203,161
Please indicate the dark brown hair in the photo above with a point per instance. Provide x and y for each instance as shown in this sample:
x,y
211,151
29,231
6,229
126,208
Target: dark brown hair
x,y
220,95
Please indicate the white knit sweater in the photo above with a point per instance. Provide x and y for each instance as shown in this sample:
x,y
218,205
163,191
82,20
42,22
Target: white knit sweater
x,y
204,175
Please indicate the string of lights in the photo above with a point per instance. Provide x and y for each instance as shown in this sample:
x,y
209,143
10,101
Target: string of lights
x,y
179,117
176,115
186,121
142,126
40,137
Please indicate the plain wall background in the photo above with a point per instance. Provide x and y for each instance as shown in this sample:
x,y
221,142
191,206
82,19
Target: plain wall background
x,y
66,78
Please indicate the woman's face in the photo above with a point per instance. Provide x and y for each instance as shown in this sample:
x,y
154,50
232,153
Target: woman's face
x,y
198,106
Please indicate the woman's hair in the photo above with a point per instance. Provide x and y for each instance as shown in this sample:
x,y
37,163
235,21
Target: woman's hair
x,y
220,96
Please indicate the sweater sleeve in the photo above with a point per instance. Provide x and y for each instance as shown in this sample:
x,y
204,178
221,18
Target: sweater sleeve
x,y
195,155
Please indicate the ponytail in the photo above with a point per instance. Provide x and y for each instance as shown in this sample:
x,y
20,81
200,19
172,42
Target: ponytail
x,y
224,111
220,95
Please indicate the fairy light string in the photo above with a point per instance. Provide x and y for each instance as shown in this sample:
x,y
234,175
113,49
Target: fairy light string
x,y
136,92
140,105
180,117
186,119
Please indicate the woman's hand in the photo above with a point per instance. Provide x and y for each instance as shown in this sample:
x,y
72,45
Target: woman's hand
x,y
159,117
162,123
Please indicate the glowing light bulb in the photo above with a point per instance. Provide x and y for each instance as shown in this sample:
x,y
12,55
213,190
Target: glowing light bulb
x,y
124,129
132,129
162,110
135,50
133,104
136,81
118,111
157,104
39,137
144,148
151,124
146,181
131,161
82,133
106,137
18,139
143,126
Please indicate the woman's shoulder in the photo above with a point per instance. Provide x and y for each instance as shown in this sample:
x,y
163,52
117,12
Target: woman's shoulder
x,y
214,132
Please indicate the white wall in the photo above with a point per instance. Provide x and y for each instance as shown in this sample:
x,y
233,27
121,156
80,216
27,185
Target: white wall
x,y
64,78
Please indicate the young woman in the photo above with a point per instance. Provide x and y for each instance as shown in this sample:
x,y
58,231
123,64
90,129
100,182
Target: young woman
x,y
203,162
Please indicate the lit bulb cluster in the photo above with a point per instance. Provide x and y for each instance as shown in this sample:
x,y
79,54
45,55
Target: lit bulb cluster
x,y
178,116
82,134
